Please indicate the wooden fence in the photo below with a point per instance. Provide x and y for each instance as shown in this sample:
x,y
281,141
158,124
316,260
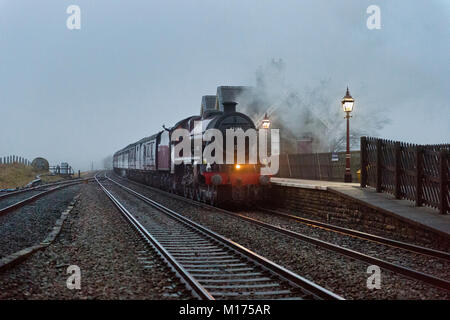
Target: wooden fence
x,y
408,171
317,166
14,159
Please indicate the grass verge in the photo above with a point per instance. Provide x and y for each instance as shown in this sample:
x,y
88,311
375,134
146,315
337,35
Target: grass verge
x,y
16,175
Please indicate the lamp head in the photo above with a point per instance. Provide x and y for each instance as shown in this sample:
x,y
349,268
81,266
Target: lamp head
x,y
347,102
266,122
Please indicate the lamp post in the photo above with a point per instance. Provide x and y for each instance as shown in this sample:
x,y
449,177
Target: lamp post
x,y
347,105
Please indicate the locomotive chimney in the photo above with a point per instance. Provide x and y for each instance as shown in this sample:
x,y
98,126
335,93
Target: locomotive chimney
x,y
229,106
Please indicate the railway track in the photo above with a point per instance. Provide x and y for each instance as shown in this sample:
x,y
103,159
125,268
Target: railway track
x,y
404,271
47,185
211,266
362,235
7,204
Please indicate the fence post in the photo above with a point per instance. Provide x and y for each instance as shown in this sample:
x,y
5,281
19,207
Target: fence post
x,y
443,182
398,164
378,168
363,162
419,175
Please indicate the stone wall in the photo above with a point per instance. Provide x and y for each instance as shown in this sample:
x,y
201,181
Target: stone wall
x,y
334,208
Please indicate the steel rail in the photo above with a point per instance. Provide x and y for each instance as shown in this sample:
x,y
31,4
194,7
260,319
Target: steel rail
x,y
191,283
363,235
13,193
284,274
407,272
31,199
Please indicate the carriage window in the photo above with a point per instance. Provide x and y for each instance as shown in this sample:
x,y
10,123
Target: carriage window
x,y
151,150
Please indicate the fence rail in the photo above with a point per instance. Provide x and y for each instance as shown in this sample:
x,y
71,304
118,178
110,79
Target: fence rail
x,y
317,166
62,170
418,173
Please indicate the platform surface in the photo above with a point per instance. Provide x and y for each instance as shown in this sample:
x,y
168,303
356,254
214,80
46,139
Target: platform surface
x,y
403,209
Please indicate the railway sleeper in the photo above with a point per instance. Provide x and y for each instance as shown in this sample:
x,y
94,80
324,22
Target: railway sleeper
x,y
194,250
204,254
227,275
235,280
169,242
253,293
214,265
209,260
188,249
247,286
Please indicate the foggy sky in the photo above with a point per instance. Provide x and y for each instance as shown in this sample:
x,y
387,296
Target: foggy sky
x,y
79,96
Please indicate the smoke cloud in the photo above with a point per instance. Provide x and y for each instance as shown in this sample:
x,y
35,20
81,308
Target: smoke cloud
x,y
306,112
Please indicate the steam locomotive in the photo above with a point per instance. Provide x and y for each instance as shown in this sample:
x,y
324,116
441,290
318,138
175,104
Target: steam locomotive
x,y
153,160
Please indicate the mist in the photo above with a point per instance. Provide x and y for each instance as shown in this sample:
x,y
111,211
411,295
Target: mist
x,y
307,112
80,95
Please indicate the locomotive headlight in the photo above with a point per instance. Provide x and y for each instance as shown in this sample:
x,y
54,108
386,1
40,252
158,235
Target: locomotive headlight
x,y
238,166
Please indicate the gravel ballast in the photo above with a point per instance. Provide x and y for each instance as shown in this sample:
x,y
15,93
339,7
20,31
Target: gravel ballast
x,y
114,262
16,198
30,224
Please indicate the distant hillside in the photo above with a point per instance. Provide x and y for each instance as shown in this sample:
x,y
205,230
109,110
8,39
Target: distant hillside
x,y
16,175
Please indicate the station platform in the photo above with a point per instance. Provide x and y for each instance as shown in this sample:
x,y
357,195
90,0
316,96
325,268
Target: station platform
x,y
403,209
